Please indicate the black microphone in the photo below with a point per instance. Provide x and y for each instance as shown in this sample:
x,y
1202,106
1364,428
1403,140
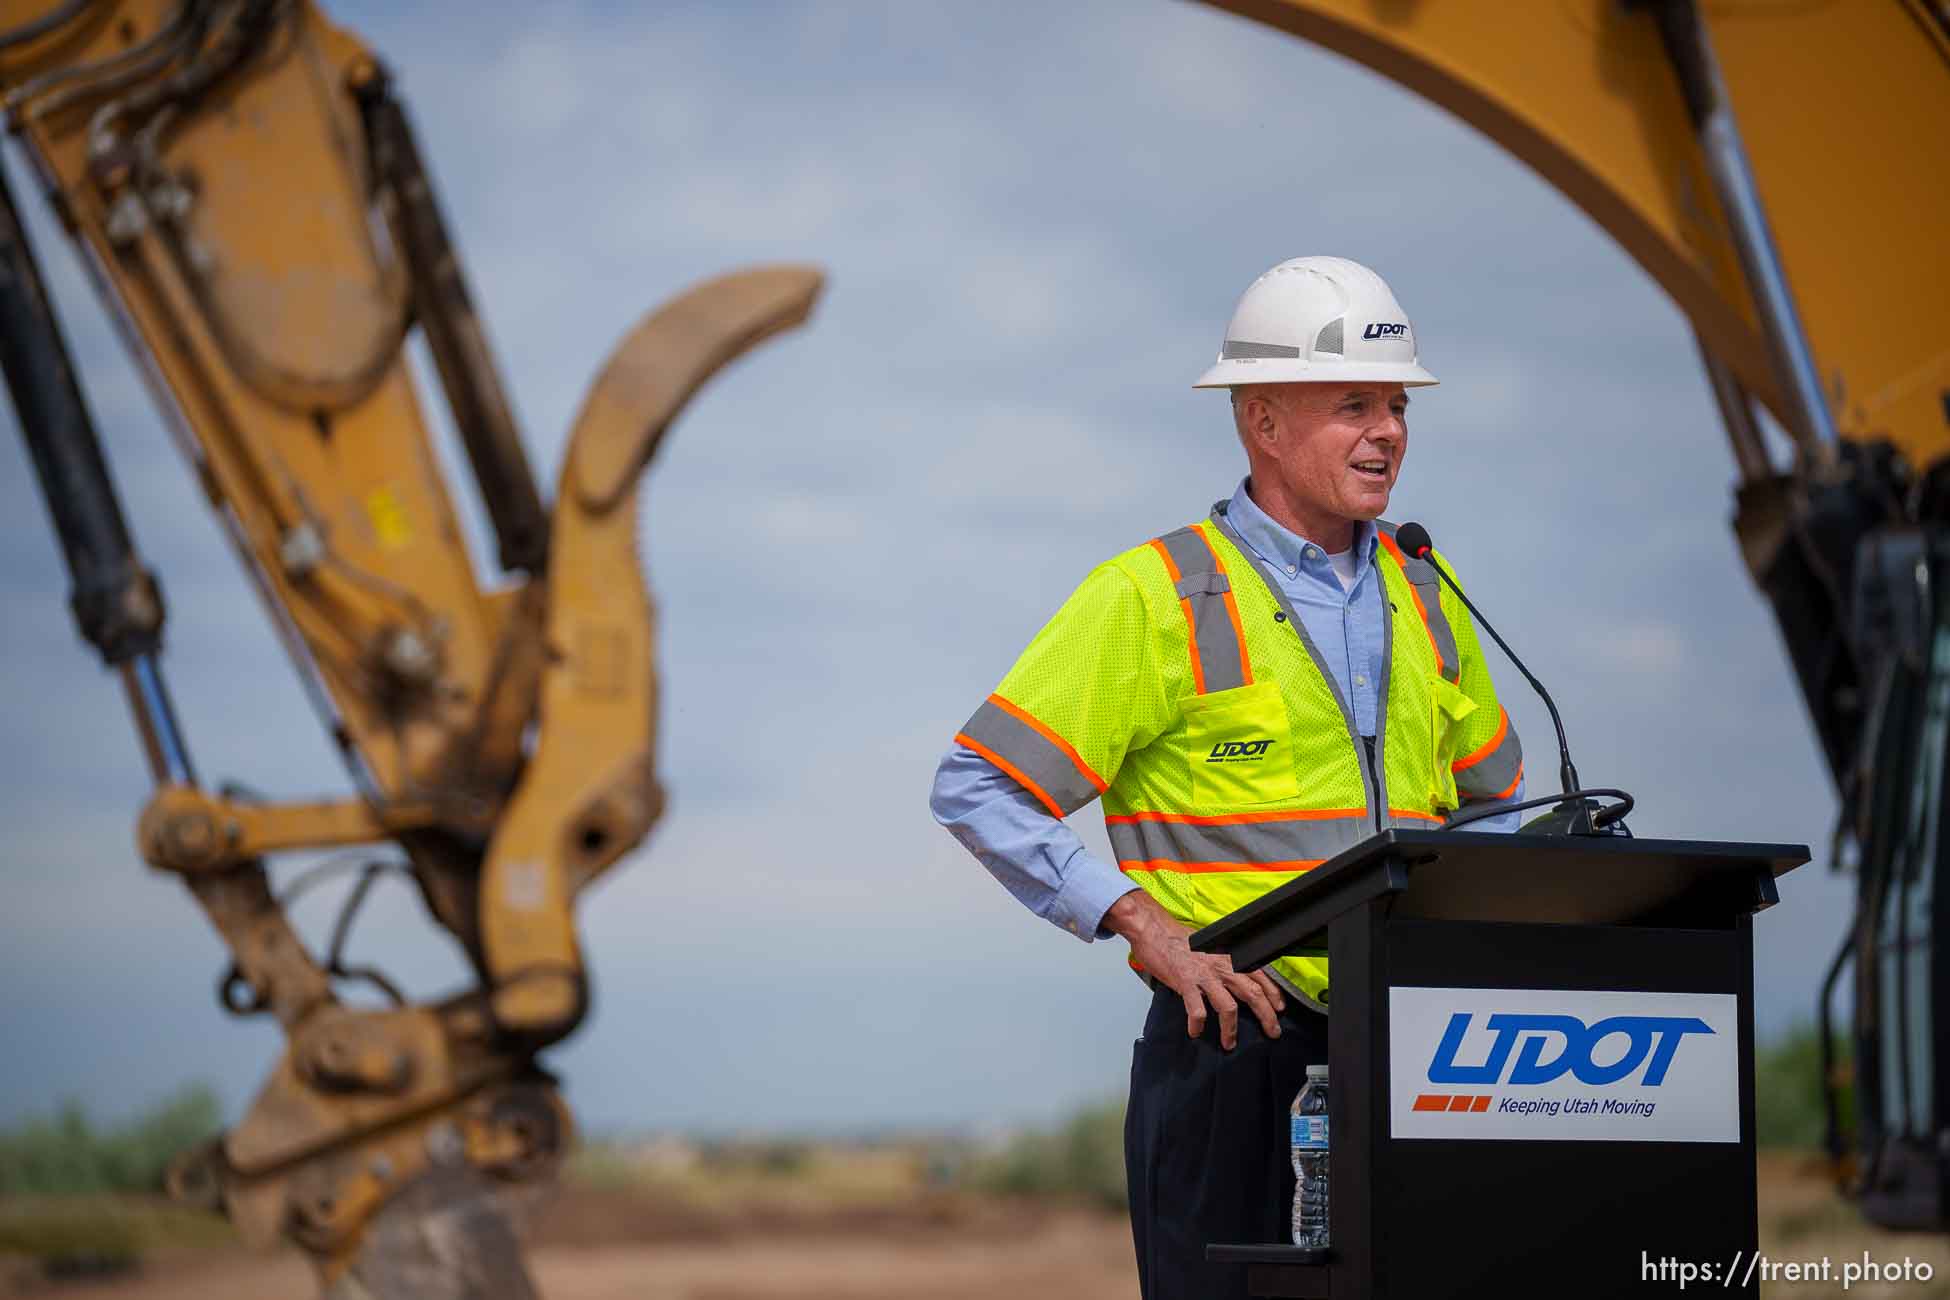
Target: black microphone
x,y
1573,810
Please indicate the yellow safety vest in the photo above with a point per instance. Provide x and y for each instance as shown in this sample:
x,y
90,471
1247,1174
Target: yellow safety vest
x,y
1177,683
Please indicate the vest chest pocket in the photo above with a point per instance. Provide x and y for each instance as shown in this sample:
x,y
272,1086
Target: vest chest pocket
x,y
1240,747
1448,706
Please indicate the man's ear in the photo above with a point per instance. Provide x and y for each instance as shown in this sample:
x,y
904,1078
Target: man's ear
x,y
1261,423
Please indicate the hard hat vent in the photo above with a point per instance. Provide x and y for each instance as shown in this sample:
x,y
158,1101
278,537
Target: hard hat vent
x,y
1240,350
1329,338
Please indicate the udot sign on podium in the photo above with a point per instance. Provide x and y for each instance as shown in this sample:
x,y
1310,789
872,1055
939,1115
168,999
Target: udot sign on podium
x,y
1542,1049
1549,1065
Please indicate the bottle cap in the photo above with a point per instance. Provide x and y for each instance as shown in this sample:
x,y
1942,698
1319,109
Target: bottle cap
x,y
1316,1072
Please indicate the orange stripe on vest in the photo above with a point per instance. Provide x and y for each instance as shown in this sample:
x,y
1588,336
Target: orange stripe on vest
x,y
1415,595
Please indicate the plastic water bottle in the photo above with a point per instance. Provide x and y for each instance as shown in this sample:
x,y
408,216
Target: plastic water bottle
x,y
1310,1183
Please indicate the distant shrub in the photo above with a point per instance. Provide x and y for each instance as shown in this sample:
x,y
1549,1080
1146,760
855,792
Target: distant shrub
x,y
72,1236
1082,1159
779,1157
1787,1089
783,1158
67,1155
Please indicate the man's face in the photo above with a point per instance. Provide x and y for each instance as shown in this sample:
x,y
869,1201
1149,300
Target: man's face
x,y
1336,448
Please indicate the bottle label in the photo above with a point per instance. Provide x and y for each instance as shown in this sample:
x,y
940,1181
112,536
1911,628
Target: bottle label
x,y
1310,1132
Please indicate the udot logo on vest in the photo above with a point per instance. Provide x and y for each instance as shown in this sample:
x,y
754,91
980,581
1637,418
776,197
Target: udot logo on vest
x,y
1238,751
1560,1065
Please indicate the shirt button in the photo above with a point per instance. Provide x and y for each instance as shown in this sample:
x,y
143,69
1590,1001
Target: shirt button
x,y
1360,681
1312,553
1292,570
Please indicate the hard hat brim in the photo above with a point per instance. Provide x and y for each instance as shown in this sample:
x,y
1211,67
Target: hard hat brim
x,y
1232,372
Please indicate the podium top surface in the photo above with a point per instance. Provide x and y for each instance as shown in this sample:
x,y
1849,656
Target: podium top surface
x,y
1477,876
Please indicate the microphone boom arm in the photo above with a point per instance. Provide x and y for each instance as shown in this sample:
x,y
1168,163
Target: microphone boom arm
x,y
1567,773
1573,812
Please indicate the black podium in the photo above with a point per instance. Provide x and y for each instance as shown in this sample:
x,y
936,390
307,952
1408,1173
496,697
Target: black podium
x,y
1541,1054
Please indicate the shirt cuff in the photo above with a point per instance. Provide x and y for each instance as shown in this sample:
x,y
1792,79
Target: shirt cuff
x,y
1501,823
1090,886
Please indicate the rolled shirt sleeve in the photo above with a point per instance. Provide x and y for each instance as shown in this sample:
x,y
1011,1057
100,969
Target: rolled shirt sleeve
x,y
1035,856
1085,692
1504,823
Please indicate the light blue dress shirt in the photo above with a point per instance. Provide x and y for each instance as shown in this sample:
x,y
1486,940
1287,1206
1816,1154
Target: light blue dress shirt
x,y
1040,860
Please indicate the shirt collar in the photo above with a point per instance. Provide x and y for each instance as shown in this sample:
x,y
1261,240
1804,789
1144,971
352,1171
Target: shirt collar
x,y
1282,548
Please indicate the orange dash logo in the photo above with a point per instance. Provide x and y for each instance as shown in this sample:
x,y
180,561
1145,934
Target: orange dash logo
x,y
1452,1103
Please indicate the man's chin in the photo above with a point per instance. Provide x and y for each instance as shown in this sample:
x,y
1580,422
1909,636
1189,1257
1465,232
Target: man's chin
x,y
1367,509
1366,501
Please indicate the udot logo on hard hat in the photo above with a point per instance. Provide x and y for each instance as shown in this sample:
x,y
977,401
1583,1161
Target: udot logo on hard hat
x,y
1563,1065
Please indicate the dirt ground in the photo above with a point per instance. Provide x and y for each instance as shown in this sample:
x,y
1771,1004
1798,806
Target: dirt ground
x,y
1803,1222
595,1243
1070,1255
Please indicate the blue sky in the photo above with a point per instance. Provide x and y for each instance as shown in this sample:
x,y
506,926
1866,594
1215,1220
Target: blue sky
x,y
1035,225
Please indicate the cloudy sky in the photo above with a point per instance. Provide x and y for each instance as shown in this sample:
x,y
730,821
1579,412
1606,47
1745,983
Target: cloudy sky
x,y
1035,225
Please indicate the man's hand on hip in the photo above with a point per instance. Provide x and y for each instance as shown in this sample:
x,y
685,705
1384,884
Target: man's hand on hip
x,y
1163,947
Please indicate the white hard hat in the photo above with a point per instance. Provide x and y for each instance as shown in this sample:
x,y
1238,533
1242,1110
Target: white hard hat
x,y
1317,320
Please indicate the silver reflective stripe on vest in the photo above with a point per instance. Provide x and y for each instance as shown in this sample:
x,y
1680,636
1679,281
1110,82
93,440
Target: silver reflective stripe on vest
x,y
1260,842
1421,575
1205,588
1491,772
1040,766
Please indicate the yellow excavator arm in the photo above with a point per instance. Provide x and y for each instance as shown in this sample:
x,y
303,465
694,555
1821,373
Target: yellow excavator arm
x,y
1839,105
242,179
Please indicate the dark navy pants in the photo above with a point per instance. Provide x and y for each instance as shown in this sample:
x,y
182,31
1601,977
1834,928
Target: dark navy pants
x,y
1205,1143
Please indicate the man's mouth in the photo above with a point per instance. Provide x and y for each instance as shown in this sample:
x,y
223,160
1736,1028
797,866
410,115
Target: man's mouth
x,y
1371,469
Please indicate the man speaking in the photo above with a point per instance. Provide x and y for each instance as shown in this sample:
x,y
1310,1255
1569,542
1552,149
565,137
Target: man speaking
x,y
1248,695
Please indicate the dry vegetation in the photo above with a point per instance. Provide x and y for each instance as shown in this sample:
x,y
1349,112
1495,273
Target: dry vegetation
x,y
857,1223
735,1222
675,1219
